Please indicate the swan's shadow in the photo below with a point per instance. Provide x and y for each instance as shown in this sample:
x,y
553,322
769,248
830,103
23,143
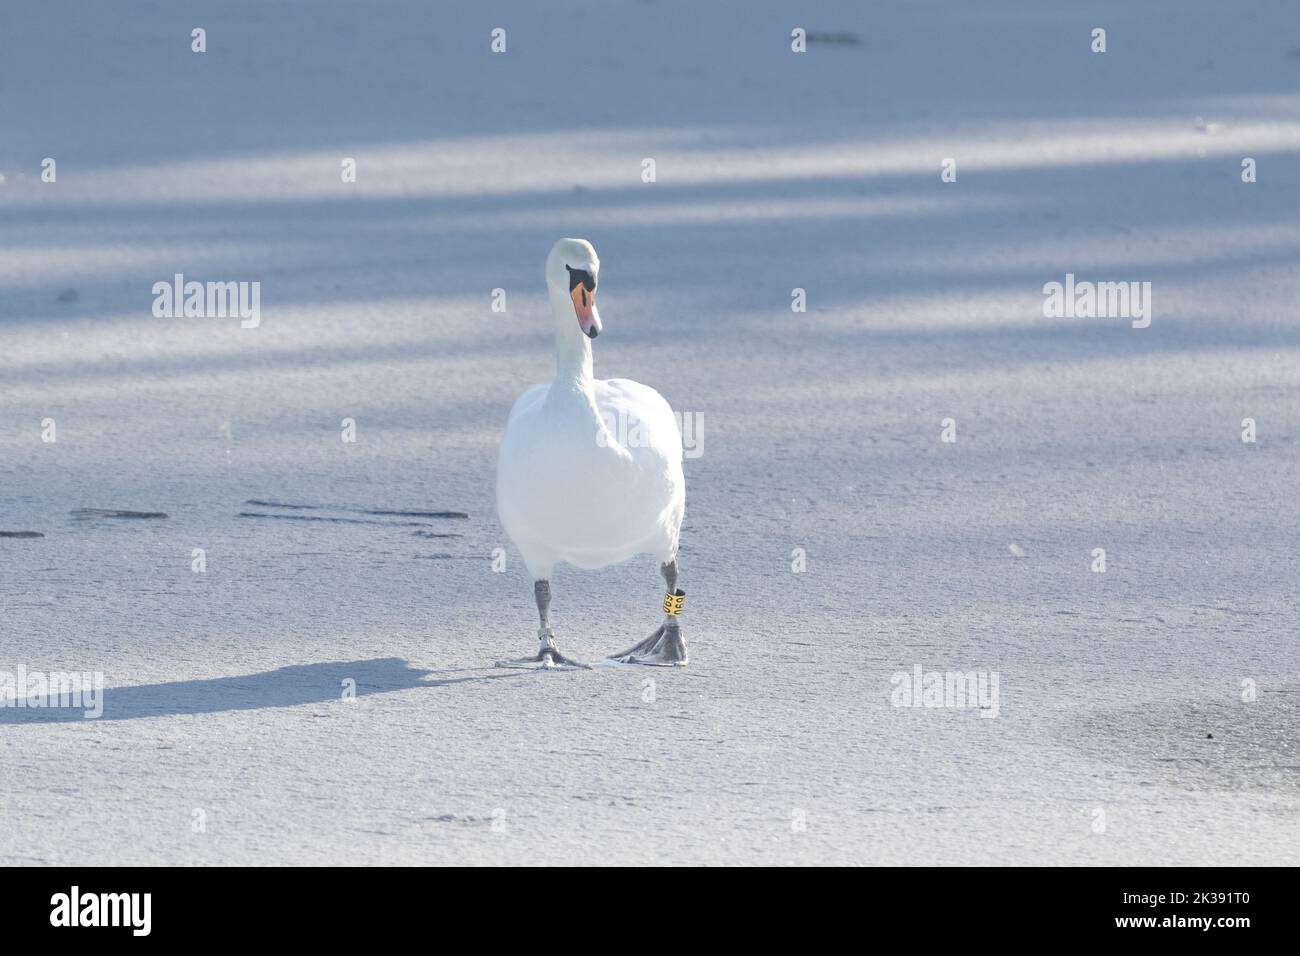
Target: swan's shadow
x,y
285,687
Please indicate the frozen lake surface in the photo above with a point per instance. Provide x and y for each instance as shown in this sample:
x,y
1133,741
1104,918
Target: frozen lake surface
x,y
1124,732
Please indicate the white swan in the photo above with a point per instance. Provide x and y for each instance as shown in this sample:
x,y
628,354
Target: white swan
x,y
590,471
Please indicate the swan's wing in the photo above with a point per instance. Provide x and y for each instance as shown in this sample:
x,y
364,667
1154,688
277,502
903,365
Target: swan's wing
x,y
527,401
636,406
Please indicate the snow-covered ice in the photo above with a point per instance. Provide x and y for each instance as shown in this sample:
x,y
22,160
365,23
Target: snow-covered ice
x,y
1122,734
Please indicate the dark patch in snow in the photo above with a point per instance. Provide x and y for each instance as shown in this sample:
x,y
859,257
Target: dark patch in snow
x,y
382,512
1167,743
422,514
333,520
81,514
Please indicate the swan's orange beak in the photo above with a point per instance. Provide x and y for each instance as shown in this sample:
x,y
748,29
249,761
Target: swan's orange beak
x,y
584,307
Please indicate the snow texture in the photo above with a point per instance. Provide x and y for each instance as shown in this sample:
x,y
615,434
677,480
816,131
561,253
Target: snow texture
x,y
1123,734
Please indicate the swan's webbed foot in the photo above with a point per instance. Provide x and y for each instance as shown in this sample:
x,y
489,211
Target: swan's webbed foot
x,y
664,648
548,657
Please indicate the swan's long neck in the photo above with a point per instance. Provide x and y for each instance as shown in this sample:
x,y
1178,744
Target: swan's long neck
x,y
573,366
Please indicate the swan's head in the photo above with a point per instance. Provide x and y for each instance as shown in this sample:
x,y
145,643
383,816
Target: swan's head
x,y
571,272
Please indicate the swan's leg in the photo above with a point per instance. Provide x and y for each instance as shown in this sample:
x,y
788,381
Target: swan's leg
x,y
547,653
665,647
542,593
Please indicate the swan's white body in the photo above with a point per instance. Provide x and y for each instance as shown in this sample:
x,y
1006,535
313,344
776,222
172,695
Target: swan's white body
x,y
569,490
590,471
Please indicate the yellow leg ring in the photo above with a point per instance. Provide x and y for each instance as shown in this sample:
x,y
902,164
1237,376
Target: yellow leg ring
x,y
673,603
